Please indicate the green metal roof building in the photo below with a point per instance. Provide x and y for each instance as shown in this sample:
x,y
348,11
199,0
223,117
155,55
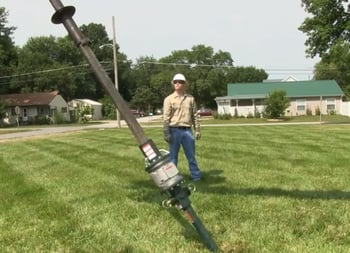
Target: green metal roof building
x,y
246,98
293,89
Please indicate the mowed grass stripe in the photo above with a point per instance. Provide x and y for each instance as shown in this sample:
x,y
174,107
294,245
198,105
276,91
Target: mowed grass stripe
x,y
265,189
87,176
295,148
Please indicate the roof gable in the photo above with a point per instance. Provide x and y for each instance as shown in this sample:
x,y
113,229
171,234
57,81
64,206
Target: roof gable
x,y
29,99
293,89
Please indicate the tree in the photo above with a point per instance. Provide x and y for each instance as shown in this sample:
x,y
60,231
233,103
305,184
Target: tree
x,y
108,108
102,47
208,74
144,99
328,36
152,82
335,65
8,52
276,103
3,107
329,22
46,63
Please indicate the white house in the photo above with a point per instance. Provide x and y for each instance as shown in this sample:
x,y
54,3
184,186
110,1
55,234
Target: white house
x,y
29,107
96,106
315,96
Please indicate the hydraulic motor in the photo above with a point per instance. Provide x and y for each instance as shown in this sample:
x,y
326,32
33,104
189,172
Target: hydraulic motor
x,y
162,171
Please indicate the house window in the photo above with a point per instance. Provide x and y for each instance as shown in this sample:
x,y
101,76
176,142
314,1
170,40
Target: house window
x,y
330,104
225,102
301,104
245,102
233,103
259,102
64,109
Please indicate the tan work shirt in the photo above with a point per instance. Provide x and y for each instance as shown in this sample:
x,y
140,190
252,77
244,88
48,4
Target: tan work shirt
x,y
180,111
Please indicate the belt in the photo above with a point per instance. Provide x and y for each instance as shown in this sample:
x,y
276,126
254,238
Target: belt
x,y
181,127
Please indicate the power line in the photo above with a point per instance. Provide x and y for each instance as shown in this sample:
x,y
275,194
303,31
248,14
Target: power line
x,y
187,64
156,63
108,69
42,71
223,66
49,70
290,69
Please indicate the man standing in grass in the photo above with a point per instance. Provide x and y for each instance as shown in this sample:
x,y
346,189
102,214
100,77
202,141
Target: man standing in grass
x,y
179,115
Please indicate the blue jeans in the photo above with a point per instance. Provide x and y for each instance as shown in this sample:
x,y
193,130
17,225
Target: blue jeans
x,y
184,137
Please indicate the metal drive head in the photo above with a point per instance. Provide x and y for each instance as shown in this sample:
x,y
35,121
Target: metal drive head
x,y
63,13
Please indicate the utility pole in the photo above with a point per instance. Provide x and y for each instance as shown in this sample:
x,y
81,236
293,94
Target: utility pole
x,y
115,68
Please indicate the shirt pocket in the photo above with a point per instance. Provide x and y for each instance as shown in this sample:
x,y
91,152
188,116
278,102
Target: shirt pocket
x,y
175,108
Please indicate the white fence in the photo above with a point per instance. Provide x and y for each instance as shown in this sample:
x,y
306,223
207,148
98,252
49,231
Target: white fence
x,y
345,110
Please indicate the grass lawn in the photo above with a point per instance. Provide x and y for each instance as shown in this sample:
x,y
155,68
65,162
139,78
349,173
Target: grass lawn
x,y
334,119
265,189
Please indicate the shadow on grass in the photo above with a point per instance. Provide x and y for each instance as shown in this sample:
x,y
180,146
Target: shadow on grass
x,y
148,194
188,231
149,190
214,183
298,194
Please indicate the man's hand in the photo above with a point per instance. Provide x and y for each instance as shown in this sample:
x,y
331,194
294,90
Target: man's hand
x,y
198,135
167,138
166,132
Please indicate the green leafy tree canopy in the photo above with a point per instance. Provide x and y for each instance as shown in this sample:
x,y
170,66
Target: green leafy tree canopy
x,y
8,52
329,22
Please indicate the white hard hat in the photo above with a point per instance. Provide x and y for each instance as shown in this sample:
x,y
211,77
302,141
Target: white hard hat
x,y
179,77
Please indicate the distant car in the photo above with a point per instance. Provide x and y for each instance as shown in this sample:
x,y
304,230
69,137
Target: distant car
x,y
137,113
205,112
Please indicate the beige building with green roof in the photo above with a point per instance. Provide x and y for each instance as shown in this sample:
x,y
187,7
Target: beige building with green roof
x,y
244,99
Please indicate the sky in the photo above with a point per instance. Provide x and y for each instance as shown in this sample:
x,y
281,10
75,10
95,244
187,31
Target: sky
x,y
262,34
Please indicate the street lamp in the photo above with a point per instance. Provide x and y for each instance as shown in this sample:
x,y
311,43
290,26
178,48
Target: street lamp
x,y
113,46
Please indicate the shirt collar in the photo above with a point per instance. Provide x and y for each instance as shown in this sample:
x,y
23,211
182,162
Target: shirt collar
x,y
177,95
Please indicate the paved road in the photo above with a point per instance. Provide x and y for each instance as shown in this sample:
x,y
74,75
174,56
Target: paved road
x,y
64,129
113,124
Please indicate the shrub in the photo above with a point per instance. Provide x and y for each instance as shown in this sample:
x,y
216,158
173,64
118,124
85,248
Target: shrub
x,y
317,111
43,120
276,103
59,118
84,113
308,112
224,116
257,114
332,112
108,108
